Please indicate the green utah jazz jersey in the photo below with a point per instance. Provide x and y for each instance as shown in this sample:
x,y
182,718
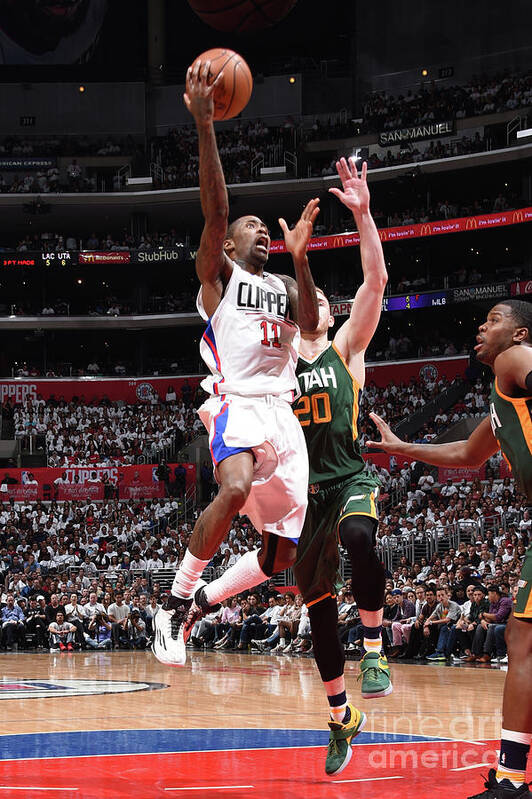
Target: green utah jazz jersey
x,y
328,413
511,422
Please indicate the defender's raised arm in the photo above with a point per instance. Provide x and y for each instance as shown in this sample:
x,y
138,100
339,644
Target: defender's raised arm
x,y
302,291
355,335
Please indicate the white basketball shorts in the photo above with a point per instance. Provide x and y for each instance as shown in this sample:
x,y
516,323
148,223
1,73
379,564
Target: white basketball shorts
x,y
267,426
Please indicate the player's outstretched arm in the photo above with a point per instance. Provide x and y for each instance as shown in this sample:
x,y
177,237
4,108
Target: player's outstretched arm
x,y
472,452
355,335
302,291
212,265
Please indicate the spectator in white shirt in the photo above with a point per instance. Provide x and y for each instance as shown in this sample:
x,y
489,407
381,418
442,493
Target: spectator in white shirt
x,y
154,562
426,482
449,489
76,615
93,607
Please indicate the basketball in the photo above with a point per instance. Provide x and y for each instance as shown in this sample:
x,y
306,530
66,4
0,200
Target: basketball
x,y
234,90
241,16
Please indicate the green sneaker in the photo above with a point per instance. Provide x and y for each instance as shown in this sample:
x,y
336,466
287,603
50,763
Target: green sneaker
x,y
375,676
339,751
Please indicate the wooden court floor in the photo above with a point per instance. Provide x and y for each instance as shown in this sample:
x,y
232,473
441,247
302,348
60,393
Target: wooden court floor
x,y
228,725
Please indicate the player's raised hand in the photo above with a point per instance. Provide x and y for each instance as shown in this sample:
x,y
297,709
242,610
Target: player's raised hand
x,y
389,441
355,194
297,239
199,93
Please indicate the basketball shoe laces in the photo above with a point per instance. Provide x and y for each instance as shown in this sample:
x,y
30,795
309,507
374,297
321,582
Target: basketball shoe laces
x,y
333,748
185,614
371,673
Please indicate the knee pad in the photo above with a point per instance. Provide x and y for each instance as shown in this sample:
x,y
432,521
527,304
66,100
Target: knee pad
x,y
328,650
357,534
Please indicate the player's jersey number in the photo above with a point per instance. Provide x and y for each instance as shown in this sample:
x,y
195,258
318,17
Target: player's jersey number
x,y
271,332
316,408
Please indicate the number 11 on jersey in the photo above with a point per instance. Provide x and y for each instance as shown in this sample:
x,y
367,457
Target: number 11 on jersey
x,y
271,332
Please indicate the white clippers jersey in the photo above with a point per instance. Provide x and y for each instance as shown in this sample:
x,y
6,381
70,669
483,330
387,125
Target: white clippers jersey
x,y
250,345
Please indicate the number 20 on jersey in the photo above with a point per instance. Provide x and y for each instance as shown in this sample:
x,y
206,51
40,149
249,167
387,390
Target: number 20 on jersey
x,y
316,409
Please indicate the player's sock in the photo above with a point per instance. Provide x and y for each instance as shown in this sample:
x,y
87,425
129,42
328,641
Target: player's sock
x,y
246,573
373,638
337,698
187,575
515,747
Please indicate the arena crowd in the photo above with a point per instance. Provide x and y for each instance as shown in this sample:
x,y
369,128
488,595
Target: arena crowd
x,y
247,142
78,575
106,433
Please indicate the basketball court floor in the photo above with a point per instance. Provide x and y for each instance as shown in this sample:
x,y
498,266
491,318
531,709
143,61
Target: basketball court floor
x,y
113,725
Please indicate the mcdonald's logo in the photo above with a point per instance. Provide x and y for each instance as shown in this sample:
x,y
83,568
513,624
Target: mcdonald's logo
x,y
383,234
471,223
518,216
426,230
338,242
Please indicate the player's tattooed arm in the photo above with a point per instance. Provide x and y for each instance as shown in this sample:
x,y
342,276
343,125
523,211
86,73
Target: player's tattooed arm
x,y
302,291
212,265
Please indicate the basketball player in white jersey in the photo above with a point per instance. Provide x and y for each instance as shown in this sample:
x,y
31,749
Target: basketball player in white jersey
x,y
251,347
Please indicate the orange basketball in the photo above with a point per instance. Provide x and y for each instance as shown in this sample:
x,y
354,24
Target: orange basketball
x,y
234,90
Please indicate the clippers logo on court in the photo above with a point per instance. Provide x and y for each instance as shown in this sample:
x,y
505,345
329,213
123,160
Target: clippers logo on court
x,y
145,392
43,689
429,373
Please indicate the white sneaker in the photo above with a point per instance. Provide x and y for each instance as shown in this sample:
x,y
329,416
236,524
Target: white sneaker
x,y
278,650
288,648
172,630
504,661
54,649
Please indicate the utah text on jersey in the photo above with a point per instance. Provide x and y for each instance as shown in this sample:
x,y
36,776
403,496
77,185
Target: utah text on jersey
x,y
319,378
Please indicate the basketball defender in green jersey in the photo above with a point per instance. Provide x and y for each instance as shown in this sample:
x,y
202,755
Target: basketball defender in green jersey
x,y
504,342
342,492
